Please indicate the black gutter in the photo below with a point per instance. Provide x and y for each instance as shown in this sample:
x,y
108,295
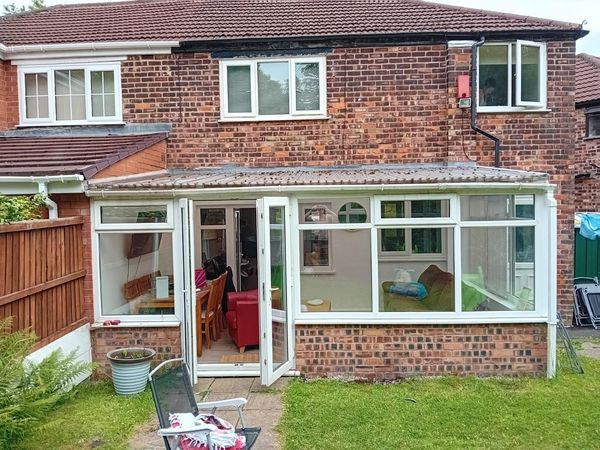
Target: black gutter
x,y
474,86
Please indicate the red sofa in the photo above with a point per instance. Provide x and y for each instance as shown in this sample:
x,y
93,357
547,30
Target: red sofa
x,y
242,318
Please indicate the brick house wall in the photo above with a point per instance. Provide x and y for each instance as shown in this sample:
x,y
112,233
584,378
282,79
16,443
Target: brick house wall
x,y
9,100
389,352
392,104
149,160
587,189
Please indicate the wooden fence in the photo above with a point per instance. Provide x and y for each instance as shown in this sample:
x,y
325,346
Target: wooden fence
x,y
41,276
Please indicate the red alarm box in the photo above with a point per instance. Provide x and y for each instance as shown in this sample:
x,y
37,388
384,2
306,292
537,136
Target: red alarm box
x,y
463,86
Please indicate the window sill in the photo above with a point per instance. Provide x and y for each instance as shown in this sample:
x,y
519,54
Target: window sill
x,y
591,138
271,119
138,324
504,110
69,124
317,272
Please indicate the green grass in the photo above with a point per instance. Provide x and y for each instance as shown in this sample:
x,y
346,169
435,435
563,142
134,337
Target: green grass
x,y
94,417
449,413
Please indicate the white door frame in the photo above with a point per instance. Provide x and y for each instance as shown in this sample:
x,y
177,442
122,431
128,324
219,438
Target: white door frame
x,y
267,374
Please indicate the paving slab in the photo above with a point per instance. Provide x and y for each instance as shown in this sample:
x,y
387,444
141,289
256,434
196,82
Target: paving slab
x,y
263,401
279,385
590,349
203,384
267,420
228,385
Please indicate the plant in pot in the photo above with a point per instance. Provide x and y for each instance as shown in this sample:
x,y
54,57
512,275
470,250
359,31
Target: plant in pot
x,y
130,368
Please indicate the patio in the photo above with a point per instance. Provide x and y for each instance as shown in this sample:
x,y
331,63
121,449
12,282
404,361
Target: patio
x,y
264,409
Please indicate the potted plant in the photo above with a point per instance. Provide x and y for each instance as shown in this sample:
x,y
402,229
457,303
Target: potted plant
x,y
130,368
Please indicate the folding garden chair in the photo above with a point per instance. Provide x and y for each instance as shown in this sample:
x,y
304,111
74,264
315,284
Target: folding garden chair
x,y
173,394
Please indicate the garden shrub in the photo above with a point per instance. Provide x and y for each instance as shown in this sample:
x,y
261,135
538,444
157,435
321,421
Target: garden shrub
x,y
20,207
28,391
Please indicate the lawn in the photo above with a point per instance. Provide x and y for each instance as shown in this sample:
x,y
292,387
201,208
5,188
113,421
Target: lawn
x,y
95,417
448,413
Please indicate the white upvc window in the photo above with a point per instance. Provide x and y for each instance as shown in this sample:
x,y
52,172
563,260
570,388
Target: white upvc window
x,y
511,76
70,94
135,255
273,89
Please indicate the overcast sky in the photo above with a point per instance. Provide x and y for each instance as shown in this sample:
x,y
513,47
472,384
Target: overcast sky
x,y
565,10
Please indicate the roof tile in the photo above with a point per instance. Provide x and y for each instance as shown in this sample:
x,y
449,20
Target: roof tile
x,y
209,20
29,156
587,79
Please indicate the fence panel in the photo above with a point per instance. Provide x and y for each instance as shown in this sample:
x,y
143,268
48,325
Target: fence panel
x,y
41,276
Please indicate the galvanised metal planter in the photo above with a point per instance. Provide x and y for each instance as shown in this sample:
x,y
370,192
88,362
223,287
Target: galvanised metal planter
x,y
130,368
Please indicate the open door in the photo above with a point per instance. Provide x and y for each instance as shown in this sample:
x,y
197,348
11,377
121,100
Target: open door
x,y
188,328
277,340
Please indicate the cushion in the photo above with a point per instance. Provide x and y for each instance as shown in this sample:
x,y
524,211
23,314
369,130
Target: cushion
x,y
429,275
410,289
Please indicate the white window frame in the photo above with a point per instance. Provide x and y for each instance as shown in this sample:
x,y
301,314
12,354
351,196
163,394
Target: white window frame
x,y
254,115
87,68
167,225
520,106
543,280
135,319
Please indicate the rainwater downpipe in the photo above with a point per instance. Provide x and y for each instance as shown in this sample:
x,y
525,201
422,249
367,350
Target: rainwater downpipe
x,y
474,87
52,206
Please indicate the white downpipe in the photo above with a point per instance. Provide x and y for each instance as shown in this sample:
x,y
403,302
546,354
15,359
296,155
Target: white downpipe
x,y
52,206
552,268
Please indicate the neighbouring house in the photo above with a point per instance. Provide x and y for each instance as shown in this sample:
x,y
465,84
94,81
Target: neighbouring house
x,y
391,182
587,159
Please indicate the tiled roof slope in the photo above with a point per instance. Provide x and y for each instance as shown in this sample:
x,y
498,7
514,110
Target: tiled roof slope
x,y
242,177
68,155
587,79
209,20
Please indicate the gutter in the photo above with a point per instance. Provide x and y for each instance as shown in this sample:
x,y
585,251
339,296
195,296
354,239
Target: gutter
x,y
474,87
292,189
41,178
16,52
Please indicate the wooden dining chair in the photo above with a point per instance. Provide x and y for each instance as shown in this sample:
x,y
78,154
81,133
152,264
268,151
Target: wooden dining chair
x,y
208,315
201,301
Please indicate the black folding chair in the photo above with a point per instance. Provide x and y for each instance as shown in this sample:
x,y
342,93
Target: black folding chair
x,y
173,393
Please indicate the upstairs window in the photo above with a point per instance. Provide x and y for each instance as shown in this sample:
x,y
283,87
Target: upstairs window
x,y
592,120
512,76
273,89
70,95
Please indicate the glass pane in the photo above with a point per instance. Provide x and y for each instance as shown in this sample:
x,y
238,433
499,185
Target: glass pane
x,y
43,106
63,107
42,86
214,252
392,210
497,207
212,216
61,82
278,285
97,82
77,82
429,208
238,89
307,87
593,125
133,214
315,248
273,88
426,240
493,75
78,105
420,284
530,73
317,212
31,84
493,277
109,105
31,107
393,240
352,212
97,105
136,273
109,82
347,286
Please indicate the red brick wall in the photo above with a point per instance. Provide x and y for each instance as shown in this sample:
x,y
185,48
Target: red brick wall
x,y
9,103
166,341
391,104
70,205
587,190
149,160
386,105
390,352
